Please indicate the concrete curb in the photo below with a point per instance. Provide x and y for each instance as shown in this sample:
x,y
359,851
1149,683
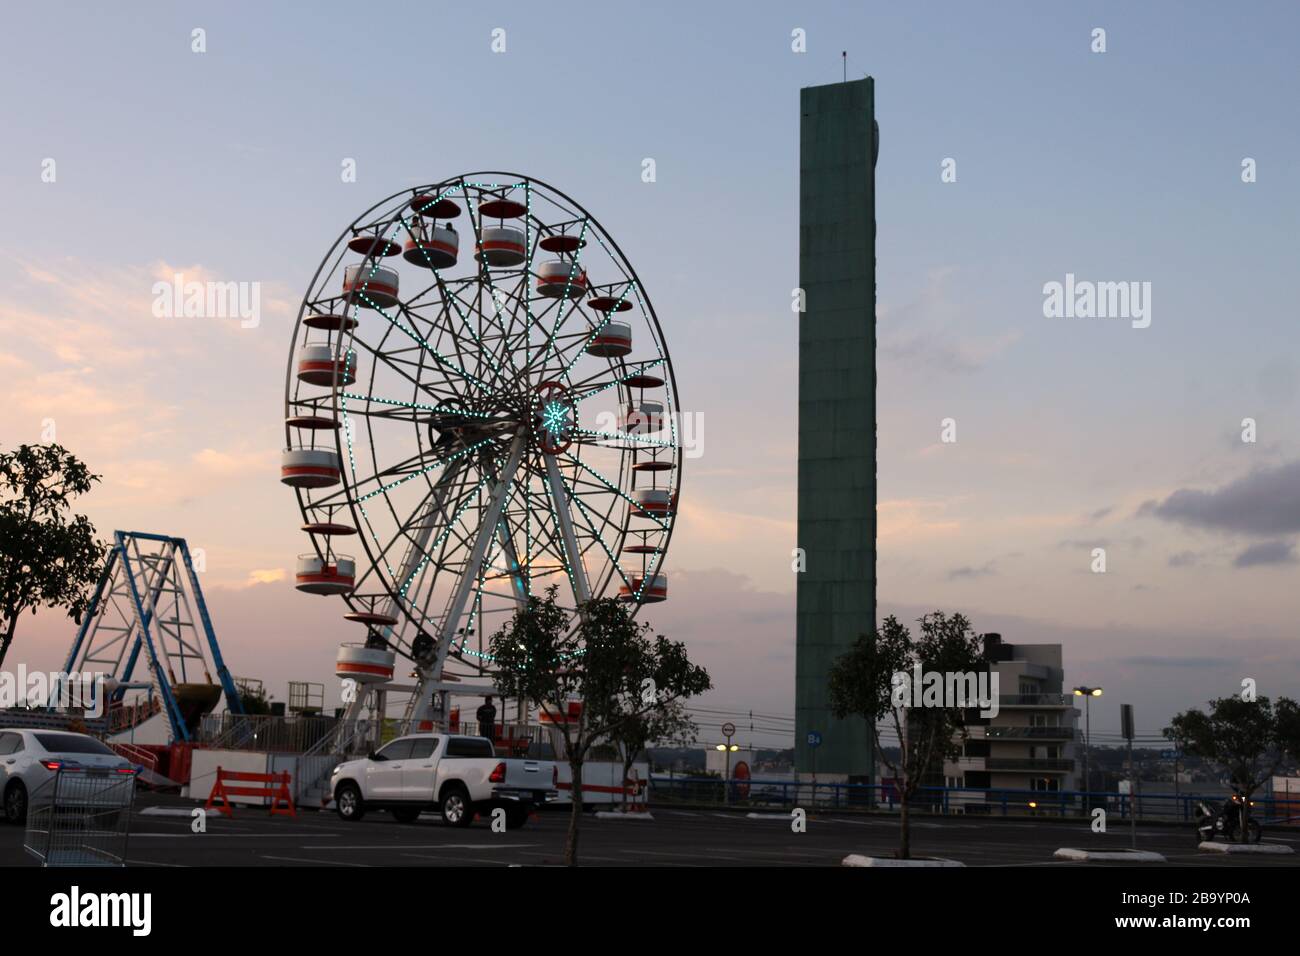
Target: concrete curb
x,y
616,815
1132,856
1213,846
856,859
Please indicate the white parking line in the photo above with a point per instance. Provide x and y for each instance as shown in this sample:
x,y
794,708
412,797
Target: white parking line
x,y
427,846
297,859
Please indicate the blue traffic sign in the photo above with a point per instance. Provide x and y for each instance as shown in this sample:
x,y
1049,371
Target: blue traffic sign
x,y
814,739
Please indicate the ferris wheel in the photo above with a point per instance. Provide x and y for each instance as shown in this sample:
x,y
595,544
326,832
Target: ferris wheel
x,y
486,416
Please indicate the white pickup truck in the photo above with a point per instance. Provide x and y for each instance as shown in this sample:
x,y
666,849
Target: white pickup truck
x,y
459,776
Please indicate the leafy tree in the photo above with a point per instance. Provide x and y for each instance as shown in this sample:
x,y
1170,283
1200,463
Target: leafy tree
x,y
862,683
1247,739
605,661
48,556
254,700
642,728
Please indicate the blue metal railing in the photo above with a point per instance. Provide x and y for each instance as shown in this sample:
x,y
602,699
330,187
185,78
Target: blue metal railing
x,y
666,790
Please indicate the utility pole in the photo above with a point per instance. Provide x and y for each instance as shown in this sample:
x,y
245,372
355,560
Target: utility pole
x,y
1126,725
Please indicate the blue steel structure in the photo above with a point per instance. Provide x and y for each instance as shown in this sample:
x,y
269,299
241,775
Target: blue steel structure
x,y
141,606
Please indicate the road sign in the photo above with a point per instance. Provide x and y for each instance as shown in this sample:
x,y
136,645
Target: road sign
x,y
728,729
814,739
1169,755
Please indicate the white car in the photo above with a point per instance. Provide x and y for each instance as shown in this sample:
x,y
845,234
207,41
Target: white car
x,y
457,775
29,760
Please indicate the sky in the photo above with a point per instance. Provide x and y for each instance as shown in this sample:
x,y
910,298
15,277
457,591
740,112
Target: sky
x,y
1071,433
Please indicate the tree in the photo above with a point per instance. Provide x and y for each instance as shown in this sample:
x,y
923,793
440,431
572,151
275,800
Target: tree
x,y
639,730
1247,739
48,556
862,683
607,660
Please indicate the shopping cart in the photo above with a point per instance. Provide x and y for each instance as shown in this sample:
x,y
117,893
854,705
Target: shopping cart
x,y
81,817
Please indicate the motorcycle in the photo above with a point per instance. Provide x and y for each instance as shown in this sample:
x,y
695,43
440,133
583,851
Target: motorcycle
x,y
1225,825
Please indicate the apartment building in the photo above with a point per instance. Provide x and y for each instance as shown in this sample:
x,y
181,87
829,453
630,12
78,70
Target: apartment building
x,y
1033,743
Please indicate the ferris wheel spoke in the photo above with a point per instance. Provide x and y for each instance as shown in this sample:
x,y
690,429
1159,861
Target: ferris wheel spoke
x,y
408,369
469,575
441,463
594,384
575,269
432,350
485,274
614,488
415,532
449,298
596,536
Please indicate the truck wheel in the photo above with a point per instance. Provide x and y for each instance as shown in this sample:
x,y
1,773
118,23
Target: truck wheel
x,y
15,808
516,816
406,814
348,802
456,808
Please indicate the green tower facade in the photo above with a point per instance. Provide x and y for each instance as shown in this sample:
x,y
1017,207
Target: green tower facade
x,y
836,591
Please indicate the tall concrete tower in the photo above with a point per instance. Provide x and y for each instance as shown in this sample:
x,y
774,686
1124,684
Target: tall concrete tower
x,y
836,596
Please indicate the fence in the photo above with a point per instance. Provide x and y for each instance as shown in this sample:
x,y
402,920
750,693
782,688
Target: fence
x,y
81,818
970,801
264,732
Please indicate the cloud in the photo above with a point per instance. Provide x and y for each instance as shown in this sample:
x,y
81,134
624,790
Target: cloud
x,y
1265,553
1183,559
914,517
1265,502
937,322
264,576
1086,544
1176,661
967,571
235,463
939,351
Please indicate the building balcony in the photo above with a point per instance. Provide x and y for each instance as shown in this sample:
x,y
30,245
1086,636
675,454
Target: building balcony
x,y
1036,700
1029,733
1029,763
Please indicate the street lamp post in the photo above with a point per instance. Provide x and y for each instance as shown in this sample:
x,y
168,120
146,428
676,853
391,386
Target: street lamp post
x,y
728,748
1087,693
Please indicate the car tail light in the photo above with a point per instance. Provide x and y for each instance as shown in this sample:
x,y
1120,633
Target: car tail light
x,y
126,769
498,774
51,764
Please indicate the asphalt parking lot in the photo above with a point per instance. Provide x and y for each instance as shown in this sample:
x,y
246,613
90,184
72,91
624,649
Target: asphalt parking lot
x,y
161,836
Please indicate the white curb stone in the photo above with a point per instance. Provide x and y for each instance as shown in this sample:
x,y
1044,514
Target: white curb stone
x,y
1132,856
855,859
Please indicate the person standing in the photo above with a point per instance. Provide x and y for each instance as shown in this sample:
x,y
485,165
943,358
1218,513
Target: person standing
x,y
487,716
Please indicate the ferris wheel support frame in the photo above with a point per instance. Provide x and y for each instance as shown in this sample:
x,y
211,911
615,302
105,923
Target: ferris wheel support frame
x,y
437,498
578,574
432,672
